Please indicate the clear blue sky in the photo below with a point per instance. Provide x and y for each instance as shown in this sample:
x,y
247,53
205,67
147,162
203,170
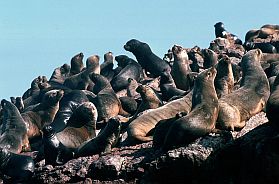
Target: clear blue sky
x,y
37,36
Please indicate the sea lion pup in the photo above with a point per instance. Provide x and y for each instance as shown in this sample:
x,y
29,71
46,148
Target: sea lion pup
x,y
76,64
162,128
140,127
60,74
180,68
210,58
272,110
42,114
103,143
67,105
19,167
82,80
224,80
131,69
55,153
220,31
146,58
238,106
107,66
81,126
201,120
106,101
14,132
168,87
131,88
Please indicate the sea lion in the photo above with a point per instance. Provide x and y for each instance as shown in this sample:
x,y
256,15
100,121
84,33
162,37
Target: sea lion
x,y
146,58
131,88
18,102
162,128
180,68
210,58
224,80
237,107
168,87
67,105
92,64
19,167
272,110
14,131
76,64
139,128
106,101
103,143
107,66
201,120
195,55
42,114
129,104
131,69
60,74
55,153
81,126
265,47
220,31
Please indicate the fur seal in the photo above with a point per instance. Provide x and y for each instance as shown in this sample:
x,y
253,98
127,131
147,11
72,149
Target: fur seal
x,y
201,120
220,31
107,66
55,153
67,105
146,58
76,64
14,132
140,127
224,80
81,126
93,65
265,47
181,68
60,74
129,104
195,55
131,88
42,114
272,110
104,142
210,58
131,69
168,87
19,167
238,106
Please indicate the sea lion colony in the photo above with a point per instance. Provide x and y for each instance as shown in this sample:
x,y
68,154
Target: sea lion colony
x,y
86,110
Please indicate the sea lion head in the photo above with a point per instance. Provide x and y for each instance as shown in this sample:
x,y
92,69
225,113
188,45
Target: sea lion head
x,y
52,97
48,131
77,63
122,60
179,52
219,25
132,45
166,77
65,69
207,75
92,62
108,57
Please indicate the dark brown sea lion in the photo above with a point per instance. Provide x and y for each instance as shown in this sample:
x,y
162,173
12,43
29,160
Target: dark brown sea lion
x,y
140,127
67,105
107,66
60,74
210,58
14,131
129,104
146,58
162,128
272,110
18,102
131,88
220,31
130,69
19,167
168,87
195,55
104,142
238,106
201,120
42,114
224,80
81,126
76,64
181,68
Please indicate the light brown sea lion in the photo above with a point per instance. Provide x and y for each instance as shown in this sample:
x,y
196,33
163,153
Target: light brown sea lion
x,y
181,68
76,64
81,126
92,64
238,106
42,114
104,142
14,132
224,80
140,127
201,120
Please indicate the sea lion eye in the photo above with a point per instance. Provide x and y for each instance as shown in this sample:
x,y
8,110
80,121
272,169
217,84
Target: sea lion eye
x,y
209,73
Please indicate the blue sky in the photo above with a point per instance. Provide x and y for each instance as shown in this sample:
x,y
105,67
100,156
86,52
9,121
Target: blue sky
x,y
37,36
